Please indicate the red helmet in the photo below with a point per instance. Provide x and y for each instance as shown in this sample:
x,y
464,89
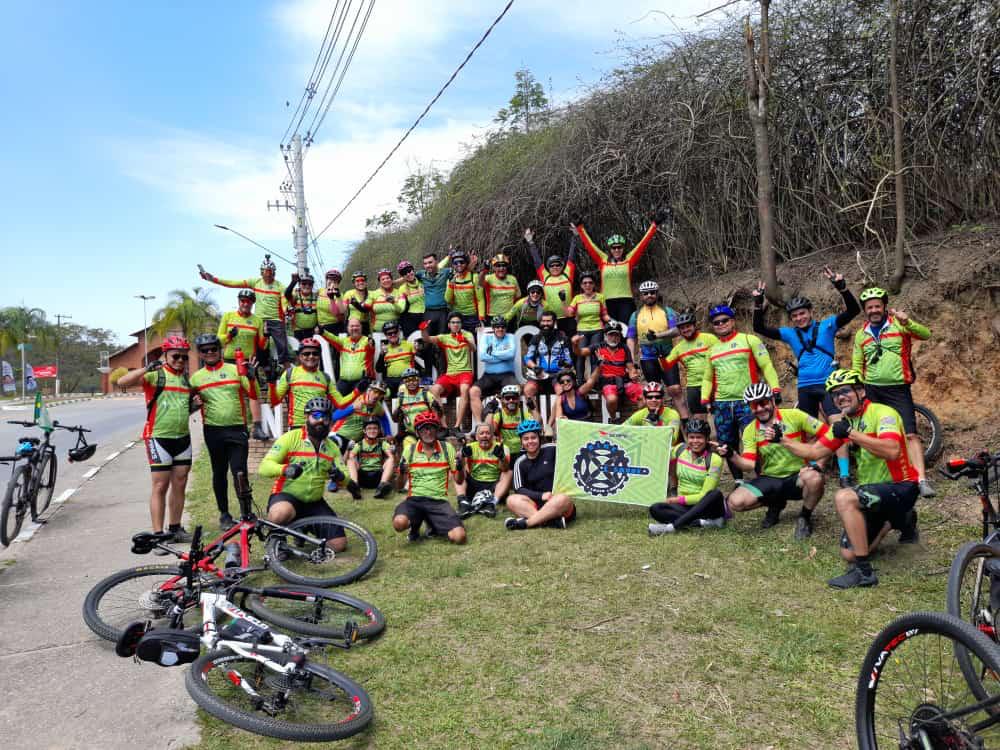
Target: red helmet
x,y
333,273
175,342
653,388
310,343
425,418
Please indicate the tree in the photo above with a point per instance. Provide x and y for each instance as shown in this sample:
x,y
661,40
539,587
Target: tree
x,y
528,105
192,312
116,375
384,222
18,323
420,190
896,282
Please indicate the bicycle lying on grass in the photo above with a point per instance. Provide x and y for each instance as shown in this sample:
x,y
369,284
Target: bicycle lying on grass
x,y
250,676
33,478
143,592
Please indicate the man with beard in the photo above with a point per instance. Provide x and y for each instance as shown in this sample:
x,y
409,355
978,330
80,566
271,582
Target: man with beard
x,y
414,399
306,381
302,305
619,377
548,354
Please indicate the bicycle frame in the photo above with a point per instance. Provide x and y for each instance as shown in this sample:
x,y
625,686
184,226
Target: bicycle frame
x,y
978,469
214,603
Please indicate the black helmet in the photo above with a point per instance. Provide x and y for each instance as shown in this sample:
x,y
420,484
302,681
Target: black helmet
x,y
798,303
390,326
686,318
207,339
555,259
307,278
612,327
320,403
246,294
82,452
498,320
698,427
371,420
588,275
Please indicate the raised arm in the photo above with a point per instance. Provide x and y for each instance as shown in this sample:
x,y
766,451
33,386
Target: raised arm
x,y
596,254
536,257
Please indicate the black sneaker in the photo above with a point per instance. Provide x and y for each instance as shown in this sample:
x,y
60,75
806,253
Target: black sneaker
x,y
909,533
772,517
465,509
413,535
181,535
803,528
383,490
515,524
489,510
854,578
259,434
557,523
844,481
226,521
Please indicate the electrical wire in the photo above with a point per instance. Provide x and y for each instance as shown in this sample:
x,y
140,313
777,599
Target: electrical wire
x,y
418,120
306,91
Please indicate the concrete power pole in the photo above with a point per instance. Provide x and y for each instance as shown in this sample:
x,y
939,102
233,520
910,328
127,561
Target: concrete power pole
x,y
301,233
59,319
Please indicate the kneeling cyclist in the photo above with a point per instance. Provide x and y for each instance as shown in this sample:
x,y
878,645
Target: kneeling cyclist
x,y
302,460
888,486
781,475
696,471
487,463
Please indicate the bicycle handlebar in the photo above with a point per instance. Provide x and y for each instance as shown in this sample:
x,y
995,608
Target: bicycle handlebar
x,y
25,424
75,428
978,465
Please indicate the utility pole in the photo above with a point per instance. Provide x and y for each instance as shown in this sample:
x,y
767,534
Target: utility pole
x,y
59,319
301,233
145,330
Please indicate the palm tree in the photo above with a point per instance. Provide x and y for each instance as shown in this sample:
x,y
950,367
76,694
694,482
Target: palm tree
x,y
18,323
192,312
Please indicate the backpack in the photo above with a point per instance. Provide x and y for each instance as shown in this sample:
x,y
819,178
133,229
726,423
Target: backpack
x,y
161,384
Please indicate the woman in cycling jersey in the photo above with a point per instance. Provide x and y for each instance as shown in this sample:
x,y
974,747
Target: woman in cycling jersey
x,y
591,314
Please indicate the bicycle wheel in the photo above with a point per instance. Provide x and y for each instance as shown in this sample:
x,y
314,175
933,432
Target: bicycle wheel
x,y
930,432
44,484
317,564
134,594
911,693
315,611
15,504
975,573
311,704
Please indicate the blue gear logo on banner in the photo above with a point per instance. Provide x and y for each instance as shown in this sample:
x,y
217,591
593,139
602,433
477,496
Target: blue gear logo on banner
x,y
602,468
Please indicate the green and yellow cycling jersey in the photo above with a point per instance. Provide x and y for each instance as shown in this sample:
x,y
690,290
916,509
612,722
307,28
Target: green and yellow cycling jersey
x,y
385,308
666,418
692,355
249,334
225,395
399,357
457,349
696,475
498,295
362,299
554,286
412,404
371,455
733,364
302,385
616,276
270,304
324,316
590,312
774,459
357,357
484,466
882,422
168,416
296,447
303,310
462,295
414,293
505,425
886,358
429,469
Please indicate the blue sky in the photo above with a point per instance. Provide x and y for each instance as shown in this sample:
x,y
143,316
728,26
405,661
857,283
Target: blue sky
x,y
131,128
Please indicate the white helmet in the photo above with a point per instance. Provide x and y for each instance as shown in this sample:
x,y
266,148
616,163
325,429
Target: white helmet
x,y
757,391
510,390
648,286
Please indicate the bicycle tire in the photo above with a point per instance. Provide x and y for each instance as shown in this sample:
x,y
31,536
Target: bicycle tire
x,y
111,628
335,569
897,642
342,608
15,505
971,557
221,699
934,443
44,484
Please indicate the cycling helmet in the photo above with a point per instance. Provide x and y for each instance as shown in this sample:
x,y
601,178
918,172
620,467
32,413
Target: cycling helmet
x,y
510,390
310,343
307,278
500,259
536,285
698,427
246,294
798,303
378,385
483,498
207,339
874,292
409,372
612,327
320,403
175,342
383,272
686,318
616,240
404,267
757,391
333,273
359,275
648,286
459,255
498,320
721,310
267,264
81,453
529,425
554,259
390,326
426,419
653,388
588,275
371,420
843,377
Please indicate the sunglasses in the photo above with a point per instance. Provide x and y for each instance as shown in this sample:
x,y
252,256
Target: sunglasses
x,y
760,403
654,397
534,291
209,350
565,381
323,415
720,321
841,392
182,357
510,398
309,354
459,262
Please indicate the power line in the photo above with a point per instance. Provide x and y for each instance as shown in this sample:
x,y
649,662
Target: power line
x,y
418,120
318,80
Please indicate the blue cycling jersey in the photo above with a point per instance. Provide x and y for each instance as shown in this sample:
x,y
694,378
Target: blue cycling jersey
x,y
434,288
814,348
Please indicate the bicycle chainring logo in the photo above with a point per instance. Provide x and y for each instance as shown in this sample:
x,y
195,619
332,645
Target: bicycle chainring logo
x,y
601,468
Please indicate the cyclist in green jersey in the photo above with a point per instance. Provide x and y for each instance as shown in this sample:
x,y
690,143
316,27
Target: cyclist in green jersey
x,y
883,354
355,353
887,482
690,351
302,305
557,275
426,468
370,405
654,413
244,332
395,357
591,313
306,381
301,461
385,305
270,304
695,471
226,396
529,309
413,399
371,461
488,466
169,402
781,475
462,292
352,303
507,412
327,317
459,348
616,266
497,290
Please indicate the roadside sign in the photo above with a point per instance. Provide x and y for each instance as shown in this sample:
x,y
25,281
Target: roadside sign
x,y
46,371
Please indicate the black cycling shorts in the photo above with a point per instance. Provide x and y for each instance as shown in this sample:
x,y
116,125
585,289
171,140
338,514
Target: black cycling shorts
x,y
369,479
491,383
900,398
894,501
165,453
474,487
693,395
774,490
438,514
314,509
652,372
812,397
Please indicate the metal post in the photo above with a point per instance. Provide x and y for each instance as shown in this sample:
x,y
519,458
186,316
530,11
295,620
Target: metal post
x,y
301,233
145,330
24,376
59,319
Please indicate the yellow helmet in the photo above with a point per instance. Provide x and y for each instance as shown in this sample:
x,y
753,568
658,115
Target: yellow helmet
x,y
500,258
843,377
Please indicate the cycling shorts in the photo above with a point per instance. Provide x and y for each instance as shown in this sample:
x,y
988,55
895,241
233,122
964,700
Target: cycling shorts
x,y
693,395
652,371
812,397
315,509
900,398
438,514
730,417
369,480
165,453
893,500
451,383
774,490
491,382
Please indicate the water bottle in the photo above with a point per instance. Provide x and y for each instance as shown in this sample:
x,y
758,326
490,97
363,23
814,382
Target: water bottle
x,y
241,363
232,555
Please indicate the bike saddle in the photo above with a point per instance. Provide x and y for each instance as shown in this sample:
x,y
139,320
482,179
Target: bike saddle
x,y
144,542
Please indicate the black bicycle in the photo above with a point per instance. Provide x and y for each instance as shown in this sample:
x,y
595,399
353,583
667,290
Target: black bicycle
x,y
33,478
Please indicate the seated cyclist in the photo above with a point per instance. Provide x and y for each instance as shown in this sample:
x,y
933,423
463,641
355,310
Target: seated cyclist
x,y
781,474
487,464
888,487
619,375
548,353
301,460
506,416
532,500
371,462
655,414
695,470
497,356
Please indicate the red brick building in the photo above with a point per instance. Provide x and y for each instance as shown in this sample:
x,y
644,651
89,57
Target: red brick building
x,y
131,357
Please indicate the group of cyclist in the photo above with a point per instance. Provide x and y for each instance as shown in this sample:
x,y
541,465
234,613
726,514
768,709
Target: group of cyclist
x,y
650,365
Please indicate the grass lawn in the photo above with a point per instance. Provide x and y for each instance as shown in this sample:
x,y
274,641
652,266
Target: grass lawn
x,y
599,636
